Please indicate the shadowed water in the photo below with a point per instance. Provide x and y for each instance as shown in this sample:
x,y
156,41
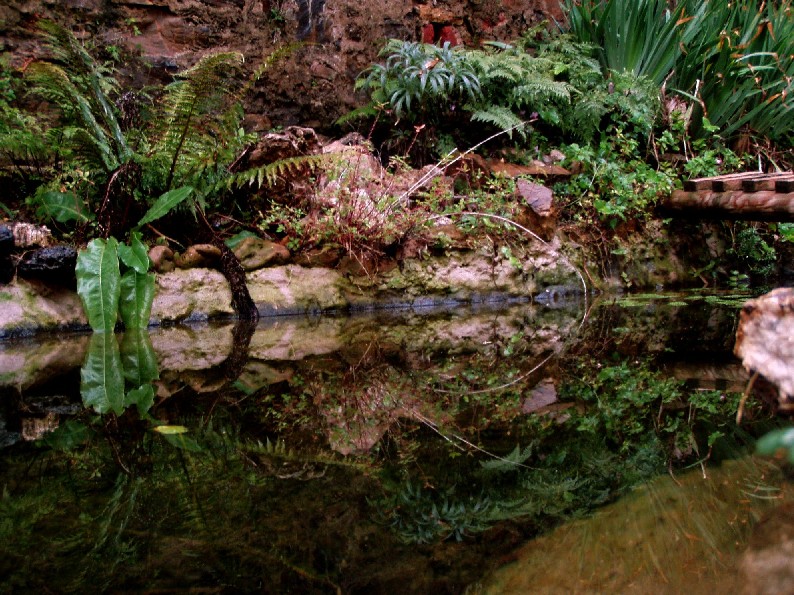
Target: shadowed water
x,y
407,451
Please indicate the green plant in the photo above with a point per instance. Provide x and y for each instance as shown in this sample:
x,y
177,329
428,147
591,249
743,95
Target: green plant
x,y
781,440
419,80
731,59
106,293
639,36
753,252
615,183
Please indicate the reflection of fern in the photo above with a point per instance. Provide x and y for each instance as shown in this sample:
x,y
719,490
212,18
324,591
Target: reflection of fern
x,y
509,462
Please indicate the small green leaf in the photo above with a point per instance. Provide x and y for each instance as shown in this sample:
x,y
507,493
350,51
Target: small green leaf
x,y
233,241
776,440
170,430
99,283
142,397
163,205
180,441
62,206
101,380
135,256
68,436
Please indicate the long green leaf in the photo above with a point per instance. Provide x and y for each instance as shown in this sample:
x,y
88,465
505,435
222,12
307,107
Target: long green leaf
x,y
163,205
137,295
138,359
99,283
101,379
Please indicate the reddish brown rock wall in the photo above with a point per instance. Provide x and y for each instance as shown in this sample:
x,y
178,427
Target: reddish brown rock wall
x,y
314,84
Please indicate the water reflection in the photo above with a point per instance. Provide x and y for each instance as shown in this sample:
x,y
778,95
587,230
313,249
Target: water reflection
x,y
401,451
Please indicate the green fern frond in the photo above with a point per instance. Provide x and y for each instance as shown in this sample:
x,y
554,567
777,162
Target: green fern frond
x,y
501,117
195,112
539,90
90,80
271,173
52,83
367,111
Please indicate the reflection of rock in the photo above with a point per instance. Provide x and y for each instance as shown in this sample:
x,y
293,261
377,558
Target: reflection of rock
x,y
768,564
256,375
188,348
24,365
765,341
296,338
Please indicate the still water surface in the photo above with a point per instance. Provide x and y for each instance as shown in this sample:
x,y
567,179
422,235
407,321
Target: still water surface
x,y
502,448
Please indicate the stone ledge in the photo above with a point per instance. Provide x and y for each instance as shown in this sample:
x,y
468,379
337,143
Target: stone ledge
x,y
202,294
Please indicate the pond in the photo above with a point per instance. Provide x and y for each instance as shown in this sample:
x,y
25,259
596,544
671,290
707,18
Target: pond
x,y
563,446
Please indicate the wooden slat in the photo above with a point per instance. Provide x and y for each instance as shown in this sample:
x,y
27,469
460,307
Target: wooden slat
x,y
758,185
709,183
763,205
749,181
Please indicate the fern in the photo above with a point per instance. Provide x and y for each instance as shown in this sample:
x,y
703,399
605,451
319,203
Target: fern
x,y
501,117
87,84
188,128
269,174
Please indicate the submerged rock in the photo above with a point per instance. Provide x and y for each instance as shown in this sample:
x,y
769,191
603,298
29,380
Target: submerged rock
x,y
765,341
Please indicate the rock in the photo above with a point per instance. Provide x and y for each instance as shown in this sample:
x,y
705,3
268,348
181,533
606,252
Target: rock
x,y
256,253
765,341
541,397
198,256
162,258
55,263
556,156
327,257
293,142
294,289
536,196
28,235
192,293
29,306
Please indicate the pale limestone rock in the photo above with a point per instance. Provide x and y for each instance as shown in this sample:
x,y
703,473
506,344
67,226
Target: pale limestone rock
x,y
32,305
186,293
298,289
765,340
